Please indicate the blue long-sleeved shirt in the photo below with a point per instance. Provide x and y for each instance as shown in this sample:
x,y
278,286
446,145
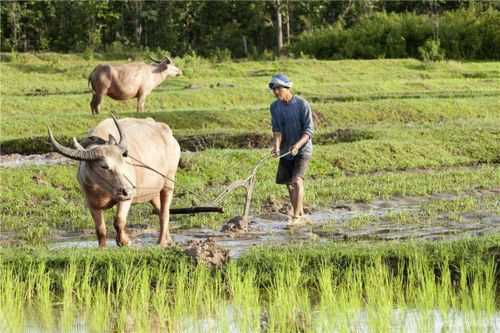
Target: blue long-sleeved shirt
x,y
293,119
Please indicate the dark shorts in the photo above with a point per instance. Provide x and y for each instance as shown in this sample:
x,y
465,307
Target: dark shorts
x,y
288,169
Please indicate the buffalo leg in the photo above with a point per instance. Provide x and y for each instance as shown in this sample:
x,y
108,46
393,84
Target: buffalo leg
x,y
92,103
156,205
165,199
100,226
140,103
119,223
95,104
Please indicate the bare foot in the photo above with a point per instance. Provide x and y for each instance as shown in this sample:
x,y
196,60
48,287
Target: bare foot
x,y
166,242
297,221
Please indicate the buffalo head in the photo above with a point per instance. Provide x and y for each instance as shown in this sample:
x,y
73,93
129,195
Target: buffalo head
x,y
106,163
167,65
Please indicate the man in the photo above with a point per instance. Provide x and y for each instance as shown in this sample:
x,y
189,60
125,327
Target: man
x,y
292,126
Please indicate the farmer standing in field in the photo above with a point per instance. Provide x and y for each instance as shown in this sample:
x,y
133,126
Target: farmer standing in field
x,y
292,125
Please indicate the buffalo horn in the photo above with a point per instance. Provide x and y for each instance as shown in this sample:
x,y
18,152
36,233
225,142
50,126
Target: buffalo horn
x,y
123,139
154,60
81,155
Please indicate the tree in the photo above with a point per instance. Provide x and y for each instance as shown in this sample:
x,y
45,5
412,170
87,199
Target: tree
x,y
279,26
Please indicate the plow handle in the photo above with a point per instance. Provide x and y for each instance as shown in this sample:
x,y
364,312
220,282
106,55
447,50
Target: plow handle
x,y
195,210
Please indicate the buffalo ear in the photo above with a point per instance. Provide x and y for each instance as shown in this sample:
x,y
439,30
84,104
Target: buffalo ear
x,y
112,140
163,66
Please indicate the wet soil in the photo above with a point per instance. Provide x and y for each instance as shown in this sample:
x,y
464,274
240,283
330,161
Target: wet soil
x,y
333,224
18,160
207,251
237,224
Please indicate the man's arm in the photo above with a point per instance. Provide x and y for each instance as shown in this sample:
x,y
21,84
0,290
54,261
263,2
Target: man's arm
x,y
277,137
302,141
308,130
275,150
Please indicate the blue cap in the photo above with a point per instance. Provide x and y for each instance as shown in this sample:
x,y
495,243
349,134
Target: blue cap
x,y
280,80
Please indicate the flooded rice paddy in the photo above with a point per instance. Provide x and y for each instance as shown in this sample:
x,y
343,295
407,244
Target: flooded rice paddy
x,y
374,221
419,288
272,281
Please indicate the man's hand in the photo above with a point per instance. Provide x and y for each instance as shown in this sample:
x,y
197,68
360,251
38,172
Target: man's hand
x,y
294,150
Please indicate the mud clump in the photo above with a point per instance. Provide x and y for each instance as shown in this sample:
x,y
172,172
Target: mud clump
x,y
207,252
281,206
235,225
272,205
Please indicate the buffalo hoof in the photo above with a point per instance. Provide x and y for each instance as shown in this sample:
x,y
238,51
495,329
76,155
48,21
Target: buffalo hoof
x,y
122,240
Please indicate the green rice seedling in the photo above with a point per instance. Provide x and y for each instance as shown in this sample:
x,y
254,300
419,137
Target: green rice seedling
x,y
83,291
327,287
461,205
361,220
44,301
477,292
379,294
137,302
446,301
12,310
244,298
404,217
68,310
99,314
161,299
421,283
330,310
180,304
288,306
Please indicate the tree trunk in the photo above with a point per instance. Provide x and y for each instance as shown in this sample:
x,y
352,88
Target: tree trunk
x,y
279,27
287,24
245,46
13,15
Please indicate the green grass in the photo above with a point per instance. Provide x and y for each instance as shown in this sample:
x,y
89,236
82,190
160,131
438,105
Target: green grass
x,y
384,128
309,288
52,90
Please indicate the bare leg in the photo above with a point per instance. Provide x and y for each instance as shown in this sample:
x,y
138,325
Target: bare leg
x,y
290,188
297,196
156,205
120,220
140,103
100,226
165,200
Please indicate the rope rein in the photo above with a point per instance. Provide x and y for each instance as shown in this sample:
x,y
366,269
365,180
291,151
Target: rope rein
x,y
229,189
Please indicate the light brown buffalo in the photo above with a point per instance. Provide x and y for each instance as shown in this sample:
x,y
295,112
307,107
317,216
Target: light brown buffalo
x,y
135,80
109,173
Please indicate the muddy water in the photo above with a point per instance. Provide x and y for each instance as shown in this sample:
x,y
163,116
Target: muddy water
x,y
325,225
18,160
401,320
